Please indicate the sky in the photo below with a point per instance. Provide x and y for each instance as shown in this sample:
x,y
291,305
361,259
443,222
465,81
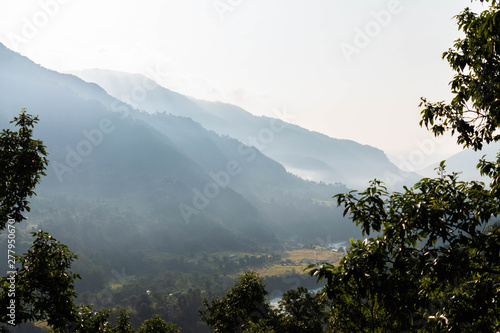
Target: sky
x,y
349,69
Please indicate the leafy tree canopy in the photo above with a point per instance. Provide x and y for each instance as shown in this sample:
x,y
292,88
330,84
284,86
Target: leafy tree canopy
x,y
433,266
474,112
22,163
432,263
157,325
44,286
243,305
245,309
301,311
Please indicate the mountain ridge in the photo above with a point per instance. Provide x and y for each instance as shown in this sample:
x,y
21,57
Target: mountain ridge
x,y
465,163
157,165
309,154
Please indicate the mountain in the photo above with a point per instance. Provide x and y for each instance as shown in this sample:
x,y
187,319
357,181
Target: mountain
x,y
97,155
308,154
465,163
159,181
157,204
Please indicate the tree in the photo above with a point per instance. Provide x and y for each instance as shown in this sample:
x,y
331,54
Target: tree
x,y
88,321
44,286
157,325
432,263
435,263
245,309
301,312
243,306
123,323
474,112
22,163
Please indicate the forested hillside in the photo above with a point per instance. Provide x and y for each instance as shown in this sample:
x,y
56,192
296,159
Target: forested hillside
x,y
157,202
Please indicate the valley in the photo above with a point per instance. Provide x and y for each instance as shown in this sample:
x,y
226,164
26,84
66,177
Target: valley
x,y
165,207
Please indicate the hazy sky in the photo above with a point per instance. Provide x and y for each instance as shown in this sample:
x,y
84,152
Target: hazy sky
x,y
349,69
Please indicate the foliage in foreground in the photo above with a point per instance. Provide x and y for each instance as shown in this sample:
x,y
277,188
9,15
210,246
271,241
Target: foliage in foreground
x,y
434,265
245,308
474,112
22,163
42,288
434,262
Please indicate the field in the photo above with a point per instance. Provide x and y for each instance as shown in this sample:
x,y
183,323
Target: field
x,y
235,263
296,261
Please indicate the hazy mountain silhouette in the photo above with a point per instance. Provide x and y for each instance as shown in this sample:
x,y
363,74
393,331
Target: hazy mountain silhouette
x,y
98,154
465,162
160,179
310,155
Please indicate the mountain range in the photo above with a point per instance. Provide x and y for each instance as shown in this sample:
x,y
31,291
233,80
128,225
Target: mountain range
x,y
163,177
131,160
168,188
308,154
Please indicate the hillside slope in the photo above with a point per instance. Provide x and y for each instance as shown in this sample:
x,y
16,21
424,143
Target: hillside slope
x,y
189,185
308,154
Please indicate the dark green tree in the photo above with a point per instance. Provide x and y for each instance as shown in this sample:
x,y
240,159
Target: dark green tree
x,y
122,324
245,309
433,266
88,321
243,305
301,312
22,163
158,325
474,112
432,263
44,286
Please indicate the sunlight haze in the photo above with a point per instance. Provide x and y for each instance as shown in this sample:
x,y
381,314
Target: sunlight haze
x,y
302,59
